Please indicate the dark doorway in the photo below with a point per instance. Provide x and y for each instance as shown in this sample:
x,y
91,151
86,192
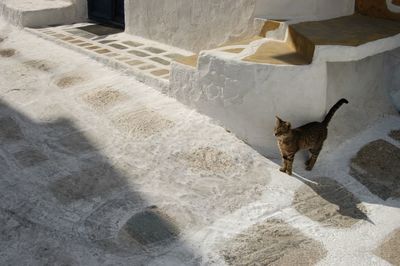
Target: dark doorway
x,y
109,12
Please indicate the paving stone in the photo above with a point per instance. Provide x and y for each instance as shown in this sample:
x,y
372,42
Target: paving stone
x,y
85,44
142,123
106,41
272,243
390,249
76,41
75,143
29,157
138,53
154,50
42,65
96,180
68,38
151,227
7,52
135,62
59,36
146,67
106,221
81,33
102,51
104,98
132,43
395,134
118,46
59,128
100,30
9,130
376,166
113,54
208,159
160,60
123,58
174,56
329,203
160,72
69,81
93,47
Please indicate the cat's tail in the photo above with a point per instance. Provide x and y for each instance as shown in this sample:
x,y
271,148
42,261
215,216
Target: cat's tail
x,y
333,110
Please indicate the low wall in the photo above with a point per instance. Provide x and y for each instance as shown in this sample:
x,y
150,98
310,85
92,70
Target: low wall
x,y
245,97
304,9
200,25
190,24
43,13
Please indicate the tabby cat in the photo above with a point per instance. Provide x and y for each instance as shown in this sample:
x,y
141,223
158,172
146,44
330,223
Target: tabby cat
x,y
310,136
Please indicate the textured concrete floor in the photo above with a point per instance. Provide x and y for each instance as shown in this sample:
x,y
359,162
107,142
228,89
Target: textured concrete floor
x,y
99,169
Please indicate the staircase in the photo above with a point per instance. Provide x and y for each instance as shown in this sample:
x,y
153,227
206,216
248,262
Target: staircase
x,y
289,70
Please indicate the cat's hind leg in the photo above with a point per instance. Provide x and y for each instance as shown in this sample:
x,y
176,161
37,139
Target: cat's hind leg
x,y
314,153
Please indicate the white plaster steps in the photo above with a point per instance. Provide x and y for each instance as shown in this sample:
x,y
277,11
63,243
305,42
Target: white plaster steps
x,y
147,60
37,13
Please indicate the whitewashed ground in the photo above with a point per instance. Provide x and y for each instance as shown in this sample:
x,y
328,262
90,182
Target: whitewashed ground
x,y
84,148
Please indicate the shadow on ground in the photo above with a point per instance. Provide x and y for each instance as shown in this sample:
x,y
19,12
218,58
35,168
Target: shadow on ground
x,y
63,202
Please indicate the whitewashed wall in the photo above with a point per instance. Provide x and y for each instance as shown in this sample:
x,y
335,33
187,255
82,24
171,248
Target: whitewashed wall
x,y
304,9
81,11
202,24
43,13
245,96
190,24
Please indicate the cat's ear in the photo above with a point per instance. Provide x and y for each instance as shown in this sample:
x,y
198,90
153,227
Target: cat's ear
x,y
278,119
288,125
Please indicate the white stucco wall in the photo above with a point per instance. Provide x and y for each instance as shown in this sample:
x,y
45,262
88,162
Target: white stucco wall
x,y
245,97
190,24
304,9
366,84
199,25
39,13
392,68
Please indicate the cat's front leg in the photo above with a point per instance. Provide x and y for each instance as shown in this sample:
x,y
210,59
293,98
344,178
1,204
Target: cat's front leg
x,y
289,163
284,166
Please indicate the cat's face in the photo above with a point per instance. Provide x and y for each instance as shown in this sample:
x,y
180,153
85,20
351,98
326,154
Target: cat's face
x,y
281,127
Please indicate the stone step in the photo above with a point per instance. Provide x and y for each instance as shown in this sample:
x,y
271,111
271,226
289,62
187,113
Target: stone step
x,y
38,13
245,84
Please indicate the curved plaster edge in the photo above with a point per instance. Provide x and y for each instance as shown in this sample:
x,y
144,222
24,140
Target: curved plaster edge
x,y
392,7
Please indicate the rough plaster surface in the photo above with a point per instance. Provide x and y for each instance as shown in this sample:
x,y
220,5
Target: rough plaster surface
x,y
192,175
191,25
26,13
201,25
303,9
